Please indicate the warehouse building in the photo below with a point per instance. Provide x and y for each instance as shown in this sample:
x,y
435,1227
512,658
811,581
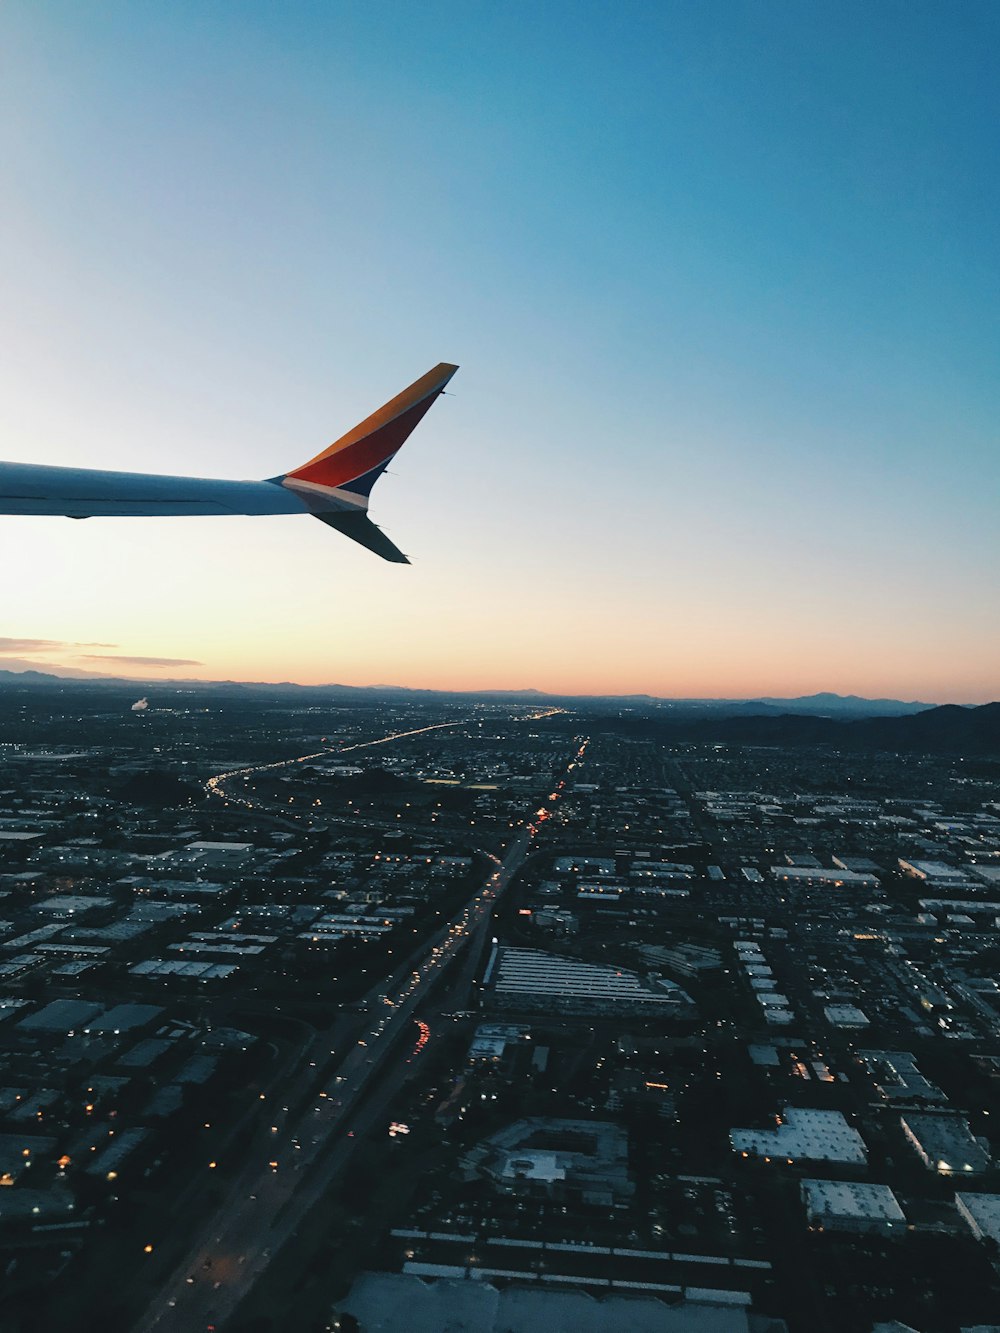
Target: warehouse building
x,y
532,979
945,1143
803,1135
839,1205
982,1213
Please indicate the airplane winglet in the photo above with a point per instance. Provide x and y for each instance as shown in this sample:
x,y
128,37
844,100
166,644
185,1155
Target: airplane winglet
x,y
356,461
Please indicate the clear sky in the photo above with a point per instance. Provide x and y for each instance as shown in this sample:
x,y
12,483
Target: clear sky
x,y
722,279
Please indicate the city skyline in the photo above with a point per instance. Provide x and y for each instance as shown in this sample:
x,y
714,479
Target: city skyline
x,y
723,291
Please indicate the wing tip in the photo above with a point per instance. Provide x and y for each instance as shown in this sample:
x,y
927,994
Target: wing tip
x,y
359,527
369,445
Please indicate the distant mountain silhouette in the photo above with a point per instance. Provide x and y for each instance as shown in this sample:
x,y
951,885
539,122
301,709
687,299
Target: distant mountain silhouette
x,y
842,721
820,705
834,705
949,729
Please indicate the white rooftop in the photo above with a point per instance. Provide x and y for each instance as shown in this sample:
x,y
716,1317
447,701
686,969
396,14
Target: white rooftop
x,y
219,847
819,874
846,1016
804,1135
523,1165
982,1212
533,972
851,1199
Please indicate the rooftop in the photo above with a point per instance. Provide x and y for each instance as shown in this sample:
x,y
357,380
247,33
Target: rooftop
x,y
806,1135
982,1212
851,1199
401,1303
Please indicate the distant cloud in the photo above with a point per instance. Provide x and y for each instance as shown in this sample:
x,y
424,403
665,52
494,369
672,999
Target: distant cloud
x,y
45,646
141,661
58,669
38,655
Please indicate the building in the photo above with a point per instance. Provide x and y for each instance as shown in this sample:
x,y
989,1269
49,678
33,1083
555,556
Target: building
x,y
161,968
945,1143
691,960
35,1207
532,979
67,906
214,855
601,892
418,1301
490,1042
60,1016
897,1078
19,1152
803,1135
109,1161
557,919
846,1016
840,1205
125,1018
197,889
982,1213
584,865
562,1159
934,872
813,877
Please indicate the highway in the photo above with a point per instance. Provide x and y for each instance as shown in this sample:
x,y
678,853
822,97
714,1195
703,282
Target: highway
x,y
307,1150
215,786
269,1201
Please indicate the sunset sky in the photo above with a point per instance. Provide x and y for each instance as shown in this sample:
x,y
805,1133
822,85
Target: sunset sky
x,y
721,278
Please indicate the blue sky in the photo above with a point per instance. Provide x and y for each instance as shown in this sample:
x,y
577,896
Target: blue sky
x,y
722,280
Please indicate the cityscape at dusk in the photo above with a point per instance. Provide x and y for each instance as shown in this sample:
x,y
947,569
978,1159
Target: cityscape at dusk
x,y
558,890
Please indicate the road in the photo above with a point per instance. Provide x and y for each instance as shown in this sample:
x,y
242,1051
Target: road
x,y
216,785
268,1202
307,1150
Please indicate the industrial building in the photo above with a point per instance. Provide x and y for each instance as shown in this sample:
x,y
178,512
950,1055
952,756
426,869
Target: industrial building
x,y
840,1205
813,877
804,1135
532,979
412,1303
562,1159
945,1143
982,1213
846,1016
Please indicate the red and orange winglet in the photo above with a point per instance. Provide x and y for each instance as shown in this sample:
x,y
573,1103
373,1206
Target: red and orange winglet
x,y
355,461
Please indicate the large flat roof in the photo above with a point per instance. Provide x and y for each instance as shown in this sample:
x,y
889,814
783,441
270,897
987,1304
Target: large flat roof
x,y
851,1199
402,1303
60,1016
804,1135
982,1212
534,972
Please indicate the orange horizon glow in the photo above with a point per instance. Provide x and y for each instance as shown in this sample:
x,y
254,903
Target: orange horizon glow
x,y
596,682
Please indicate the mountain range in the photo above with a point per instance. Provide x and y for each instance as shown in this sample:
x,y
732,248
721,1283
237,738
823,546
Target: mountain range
x,y
949,729
823,705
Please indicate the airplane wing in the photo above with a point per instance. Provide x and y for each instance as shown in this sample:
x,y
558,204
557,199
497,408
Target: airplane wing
x,y
335,486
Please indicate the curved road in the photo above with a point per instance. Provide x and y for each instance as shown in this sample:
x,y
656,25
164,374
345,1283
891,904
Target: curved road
x,y
271,1198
